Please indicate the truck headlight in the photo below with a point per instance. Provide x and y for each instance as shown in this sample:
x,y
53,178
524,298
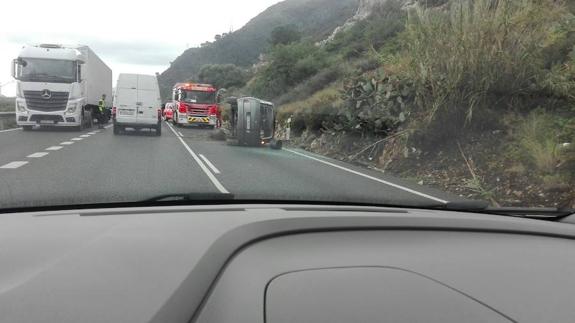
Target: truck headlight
x,y
72,108
21,106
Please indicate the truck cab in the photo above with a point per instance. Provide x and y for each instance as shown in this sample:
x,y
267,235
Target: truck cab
x,y
196,104
59,86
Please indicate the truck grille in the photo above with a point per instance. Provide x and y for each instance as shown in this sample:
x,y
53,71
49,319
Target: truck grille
x,y
40,117
197,112
35,101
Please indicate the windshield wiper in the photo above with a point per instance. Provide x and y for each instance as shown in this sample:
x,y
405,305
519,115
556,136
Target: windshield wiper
x,y
191,197
545,213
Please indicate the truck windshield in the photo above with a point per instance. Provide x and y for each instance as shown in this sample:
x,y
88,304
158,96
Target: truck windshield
x,y
200,97
47,70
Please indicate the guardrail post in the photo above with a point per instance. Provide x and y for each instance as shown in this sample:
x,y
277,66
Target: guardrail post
x,y
288,129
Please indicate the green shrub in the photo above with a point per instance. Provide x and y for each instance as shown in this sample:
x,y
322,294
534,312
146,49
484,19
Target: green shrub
x,y
288,65
318,82
223,76
314,113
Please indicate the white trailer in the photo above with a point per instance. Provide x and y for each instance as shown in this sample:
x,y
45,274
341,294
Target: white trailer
x,y
59,86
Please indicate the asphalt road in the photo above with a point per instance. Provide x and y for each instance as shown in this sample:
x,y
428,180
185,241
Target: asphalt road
x,y
55,167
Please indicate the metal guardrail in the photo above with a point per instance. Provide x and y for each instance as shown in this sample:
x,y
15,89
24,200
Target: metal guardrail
x,y
7,120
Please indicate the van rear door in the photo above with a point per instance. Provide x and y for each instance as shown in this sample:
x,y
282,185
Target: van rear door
x,y
127,99
149,100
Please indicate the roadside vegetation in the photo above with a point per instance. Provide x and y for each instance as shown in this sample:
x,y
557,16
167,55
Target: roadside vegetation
x,y
477,97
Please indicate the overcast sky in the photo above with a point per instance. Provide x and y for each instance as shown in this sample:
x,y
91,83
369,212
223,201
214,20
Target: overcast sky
x,y
130,36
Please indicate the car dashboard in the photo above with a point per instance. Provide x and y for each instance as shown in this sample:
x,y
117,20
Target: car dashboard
x,y
284,263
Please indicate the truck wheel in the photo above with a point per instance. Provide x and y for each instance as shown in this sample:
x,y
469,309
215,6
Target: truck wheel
x,y
159,129
26,128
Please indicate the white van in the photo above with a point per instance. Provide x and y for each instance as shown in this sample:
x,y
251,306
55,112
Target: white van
x,y
137,103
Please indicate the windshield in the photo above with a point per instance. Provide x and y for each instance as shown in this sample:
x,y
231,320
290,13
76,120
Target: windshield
x,y
47,70
199,97
409,103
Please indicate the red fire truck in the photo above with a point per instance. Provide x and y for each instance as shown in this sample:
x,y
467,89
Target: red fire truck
x,y
196,104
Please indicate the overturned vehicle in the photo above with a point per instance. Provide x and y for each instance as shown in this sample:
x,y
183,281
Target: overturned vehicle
x,y
252,122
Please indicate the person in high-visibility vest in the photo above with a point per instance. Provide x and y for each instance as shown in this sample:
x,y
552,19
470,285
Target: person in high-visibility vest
x,y
101,111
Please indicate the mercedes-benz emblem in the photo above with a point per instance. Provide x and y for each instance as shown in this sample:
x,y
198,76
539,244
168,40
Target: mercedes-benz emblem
x,y
46,95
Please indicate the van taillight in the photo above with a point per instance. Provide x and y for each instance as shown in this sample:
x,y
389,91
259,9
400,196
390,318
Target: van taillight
x,y
182,108
113,111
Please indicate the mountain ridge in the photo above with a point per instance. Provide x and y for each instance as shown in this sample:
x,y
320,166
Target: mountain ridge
x,y
316,19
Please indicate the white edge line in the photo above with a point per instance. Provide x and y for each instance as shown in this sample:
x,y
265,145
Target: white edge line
x,y
180,133
209,163
211,176
8,130
403,188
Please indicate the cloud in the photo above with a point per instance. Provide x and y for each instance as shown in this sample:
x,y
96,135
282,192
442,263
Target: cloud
x,y
138,52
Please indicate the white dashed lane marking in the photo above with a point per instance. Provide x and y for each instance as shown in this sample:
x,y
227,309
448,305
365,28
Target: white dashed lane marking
x,y
205,168
209,163
77,139
14,165
93,133
179,133
38,155
67,143
84,136
54,148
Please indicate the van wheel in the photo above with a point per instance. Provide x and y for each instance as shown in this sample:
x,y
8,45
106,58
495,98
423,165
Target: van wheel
x,y
159,129
116,130
276,144
26,128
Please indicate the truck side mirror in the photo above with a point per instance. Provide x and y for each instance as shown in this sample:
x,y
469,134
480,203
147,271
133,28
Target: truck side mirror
x,y
14,63
79,76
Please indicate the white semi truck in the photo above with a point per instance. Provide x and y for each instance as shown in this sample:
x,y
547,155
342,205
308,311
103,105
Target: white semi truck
x,y
59,86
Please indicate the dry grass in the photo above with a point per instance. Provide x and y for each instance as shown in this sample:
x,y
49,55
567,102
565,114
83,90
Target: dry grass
x,y
480,54
538,139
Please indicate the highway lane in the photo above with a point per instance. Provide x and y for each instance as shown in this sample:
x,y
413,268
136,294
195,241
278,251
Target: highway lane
x,y
101,167
292,174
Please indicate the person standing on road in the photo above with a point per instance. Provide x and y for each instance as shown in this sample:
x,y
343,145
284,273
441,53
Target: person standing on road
x,y
101,111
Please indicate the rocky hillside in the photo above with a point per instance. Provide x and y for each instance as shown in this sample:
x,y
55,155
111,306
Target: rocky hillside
x,y
442,96
315,19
